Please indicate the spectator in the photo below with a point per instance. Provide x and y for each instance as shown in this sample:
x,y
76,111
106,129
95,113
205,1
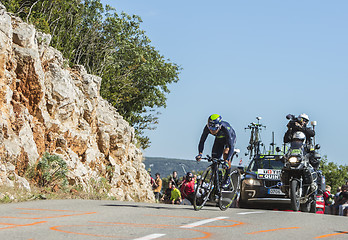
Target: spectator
x,y
152,181
175,179
195,178
336,197
329,200
188,189
343,200
157,187
167,193
175,197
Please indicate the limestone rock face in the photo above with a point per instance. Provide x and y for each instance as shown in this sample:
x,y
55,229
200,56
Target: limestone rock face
x,y
46,106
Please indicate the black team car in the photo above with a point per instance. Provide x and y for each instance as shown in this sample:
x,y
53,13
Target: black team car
x,y
261,183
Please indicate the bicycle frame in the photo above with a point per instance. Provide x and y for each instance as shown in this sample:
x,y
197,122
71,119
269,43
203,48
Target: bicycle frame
x,y
216,163
210,185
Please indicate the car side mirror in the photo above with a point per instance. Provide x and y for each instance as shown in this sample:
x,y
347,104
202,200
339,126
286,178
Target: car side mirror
x,y
317,146
278,149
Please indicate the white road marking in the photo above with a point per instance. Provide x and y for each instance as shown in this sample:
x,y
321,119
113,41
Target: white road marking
x,y
192,225
245,213
151,236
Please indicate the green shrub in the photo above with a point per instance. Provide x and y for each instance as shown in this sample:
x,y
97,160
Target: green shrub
x,y
50,171
98,188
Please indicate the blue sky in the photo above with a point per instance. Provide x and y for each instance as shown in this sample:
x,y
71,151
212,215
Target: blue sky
x,y
243,59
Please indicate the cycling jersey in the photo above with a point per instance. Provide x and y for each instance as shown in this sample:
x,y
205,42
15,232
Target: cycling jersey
x,y
225,137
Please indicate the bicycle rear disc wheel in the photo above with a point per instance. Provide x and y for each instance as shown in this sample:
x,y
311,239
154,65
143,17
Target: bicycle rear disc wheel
x,y
204,188
229,195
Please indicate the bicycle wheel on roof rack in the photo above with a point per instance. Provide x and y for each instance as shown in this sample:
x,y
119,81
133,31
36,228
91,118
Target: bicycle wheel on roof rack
x,y
227,196
205,185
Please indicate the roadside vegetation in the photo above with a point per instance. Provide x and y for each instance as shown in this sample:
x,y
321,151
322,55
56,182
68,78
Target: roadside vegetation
x,y
48,180
135,76
16,194
335,175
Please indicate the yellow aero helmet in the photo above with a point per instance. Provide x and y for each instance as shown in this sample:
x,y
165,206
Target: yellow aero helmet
x,y
214,122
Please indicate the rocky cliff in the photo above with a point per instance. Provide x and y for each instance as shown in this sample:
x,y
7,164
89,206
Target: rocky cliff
x,y
46,106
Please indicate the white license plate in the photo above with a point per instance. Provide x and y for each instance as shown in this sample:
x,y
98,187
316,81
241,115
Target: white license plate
x,y
275,191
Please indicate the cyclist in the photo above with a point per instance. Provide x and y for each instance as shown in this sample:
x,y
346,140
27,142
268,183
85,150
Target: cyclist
x,y
225,139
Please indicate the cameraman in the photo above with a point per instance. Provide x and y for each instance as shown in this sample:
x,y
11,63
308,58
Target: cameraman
x,y
299,124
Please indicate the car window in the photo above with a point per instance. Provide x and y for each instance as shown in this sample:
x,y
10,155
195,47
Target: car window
x,y
265,164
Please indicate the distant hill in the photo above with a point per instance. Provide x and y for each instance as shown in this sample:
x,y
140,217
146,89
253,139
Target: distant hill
x,y
166,166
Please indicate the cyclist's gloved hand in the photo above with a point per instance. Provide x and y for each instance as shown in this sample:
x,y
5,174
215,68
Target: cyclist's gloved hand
x,y
198,157
225,165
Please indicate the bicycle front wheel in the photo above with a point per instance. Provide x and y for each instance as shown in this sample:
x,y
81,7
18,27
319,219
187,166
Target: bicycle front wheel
x,y
229,196
204,188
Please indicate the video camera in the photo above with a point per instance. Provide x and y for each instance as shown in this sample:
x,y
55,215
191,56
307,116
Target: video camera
x,y
291,117
292,120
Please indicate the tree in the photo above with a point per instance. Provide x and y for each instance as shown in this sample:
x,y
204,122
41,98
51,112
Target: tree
x,y
135,81
335,175
135,76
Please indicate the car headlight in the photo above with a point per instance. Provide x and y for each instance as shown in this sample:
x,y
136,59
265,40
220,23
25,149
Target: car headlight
x,y
252,182
293,160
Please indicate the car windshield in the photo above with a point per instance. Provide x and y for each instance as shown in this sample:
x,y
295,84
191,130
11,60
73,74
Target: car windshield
x,y
265,164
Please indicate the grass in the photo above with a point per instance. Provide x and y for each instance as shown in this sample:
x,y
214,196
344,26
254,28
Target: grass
x,y
48,180
97,190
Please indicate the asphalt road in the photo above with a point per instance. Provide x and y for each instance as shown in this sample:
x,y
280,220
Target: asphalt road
x,y
85,219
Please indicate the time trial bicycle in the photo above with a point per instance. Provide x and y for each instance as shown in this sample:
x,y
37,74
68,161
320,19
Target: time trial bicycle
x,y
209,185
